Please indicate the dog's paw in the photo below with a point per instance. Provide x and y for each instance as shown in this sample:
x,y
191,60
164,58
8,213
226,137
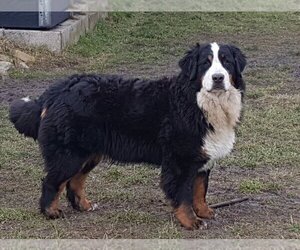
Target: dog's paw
x,y
52,214
192,224
188,218
205,212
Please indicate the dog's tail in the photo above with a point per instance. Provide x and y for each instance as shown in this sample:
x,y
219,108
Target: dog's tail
x,y
25,114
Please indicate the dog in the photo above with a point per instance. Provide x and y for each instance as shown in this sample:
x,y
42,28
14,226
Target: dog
x,y
182,123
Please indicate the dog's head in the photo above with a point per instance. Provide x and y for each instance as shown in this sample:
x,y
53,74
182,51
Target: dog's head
x,y
215,67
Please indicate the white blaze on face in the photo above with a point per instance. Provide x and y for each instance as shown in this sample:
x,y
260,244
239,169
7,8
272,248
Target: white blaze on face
x,y
215,68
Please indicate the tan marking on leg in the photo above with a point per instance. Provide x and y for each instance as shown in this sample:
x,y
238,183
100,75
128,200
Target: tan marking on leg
x,y
187,217
199,201
53,210
77,184
44,113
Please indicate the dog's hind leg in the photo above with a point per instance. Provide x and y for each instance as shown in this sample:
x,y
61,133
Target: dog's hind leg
x,y
76,186
60,170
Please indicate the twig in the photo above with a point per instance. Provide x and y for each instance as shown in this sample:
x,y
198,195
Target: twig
x,y
228,203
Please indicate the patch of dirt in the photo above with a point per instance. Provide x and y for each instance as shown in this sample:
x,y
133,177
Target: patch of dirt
x,y
11,89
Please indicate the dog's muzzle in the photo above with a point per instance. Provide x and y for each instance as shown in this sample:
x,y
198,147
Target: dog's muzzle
x,y
218,81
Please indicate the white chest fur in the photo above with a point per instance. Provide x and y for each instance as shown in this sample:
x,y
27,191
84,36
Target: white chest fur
x,y
222,110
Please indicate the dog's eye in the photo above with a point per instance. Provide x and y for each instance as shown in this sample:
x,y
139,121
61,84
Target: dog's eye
x,y
226,62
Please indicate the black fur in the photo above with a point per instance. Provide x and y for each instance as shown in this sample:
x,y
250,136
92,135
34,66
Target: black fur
x,y
126,120
26,117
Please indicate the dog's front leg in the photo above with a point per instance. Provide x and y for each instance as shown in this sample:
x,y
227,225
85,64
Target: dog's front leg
x,y
177,183
199,196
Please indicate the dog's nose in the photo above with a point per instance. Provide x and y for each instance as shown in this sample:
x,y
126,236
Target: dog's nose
x,y
218,78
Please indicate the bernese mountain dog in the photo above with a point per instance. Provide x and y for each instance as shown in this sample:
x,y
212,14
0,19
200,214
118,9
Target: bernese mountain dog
x,y
182,124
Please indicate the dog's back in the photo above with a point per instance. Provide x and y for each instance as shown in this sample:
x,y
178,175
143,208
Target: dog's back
x,y
98,114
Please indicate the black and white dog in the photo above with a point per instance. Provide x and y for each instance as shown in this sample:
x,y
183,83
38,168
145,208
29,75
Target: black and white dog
x,y
183,124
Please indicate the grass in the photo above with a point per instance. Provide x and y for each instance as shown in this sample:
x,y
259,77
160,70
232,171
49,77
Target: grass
x,y
125,176
38,74
256,94
128,39
16,152
132,31
261,140
118,195
257,186
146,38
295,228
134,217
11,214
266,156
169,231
251,186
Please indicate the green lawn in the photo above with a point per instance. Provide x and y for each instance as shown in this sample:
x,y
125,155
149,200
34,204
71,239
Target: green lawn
x,y
134,39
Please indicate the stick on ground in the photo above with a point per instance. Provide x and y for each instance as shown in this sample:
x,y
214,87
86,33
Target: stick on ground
x,y
228,203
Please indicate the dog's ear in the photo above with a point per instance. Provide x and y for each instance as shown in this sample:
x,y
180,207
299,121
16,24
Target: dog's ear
x,y
240,59
240,64
189,63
